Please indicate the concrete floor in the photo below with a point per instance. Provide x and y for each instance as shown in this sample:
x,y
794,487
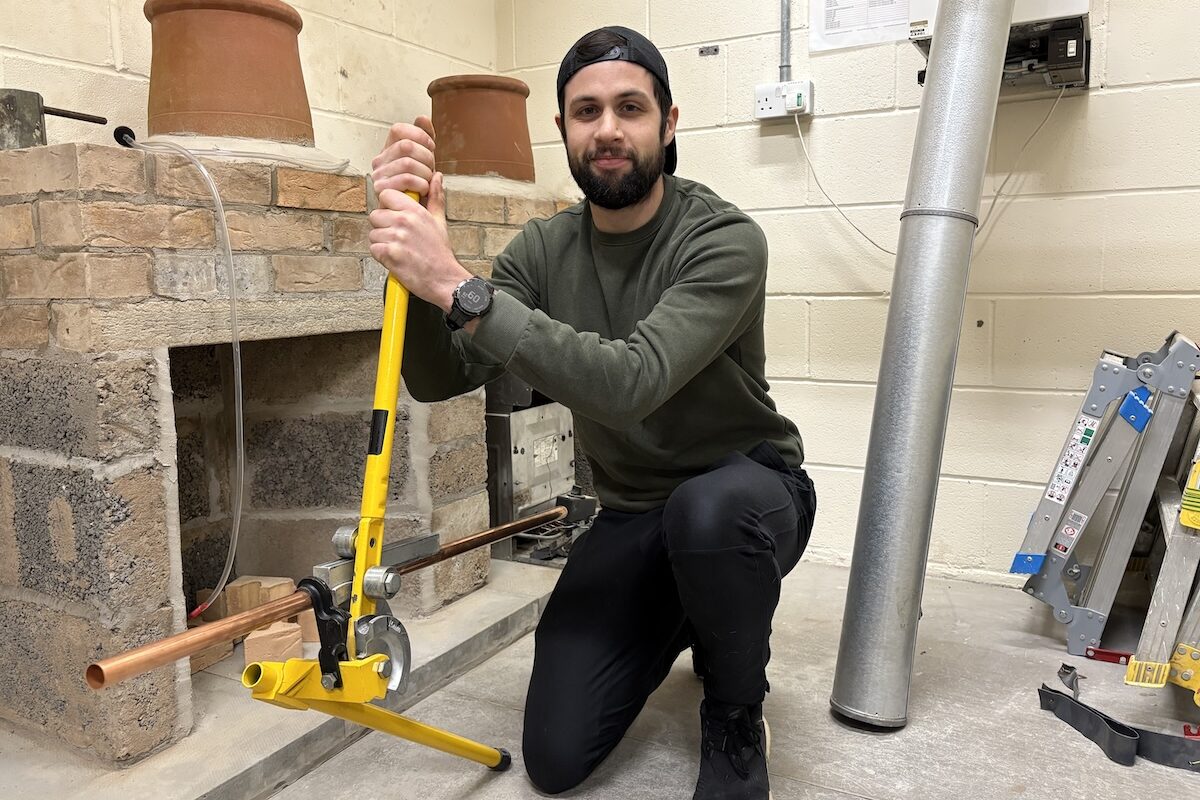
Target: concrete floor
x,y
976,729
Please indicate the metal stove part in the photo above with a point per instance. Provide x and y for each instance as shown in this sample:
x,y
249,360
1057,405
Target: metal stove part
x,y
385,634
23,119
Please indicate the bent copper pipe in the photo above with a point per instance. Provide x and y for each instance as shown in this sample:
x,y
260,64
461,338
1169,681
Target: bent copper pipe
x,y
165,651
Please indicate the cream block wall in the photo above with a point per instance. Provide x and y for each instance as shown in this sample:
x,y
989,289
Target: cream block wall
x,y
1095,249
366,63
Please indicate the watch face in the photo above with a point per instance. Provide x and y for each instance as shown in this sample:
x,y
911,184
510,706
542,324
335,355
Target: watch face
x,y
474,297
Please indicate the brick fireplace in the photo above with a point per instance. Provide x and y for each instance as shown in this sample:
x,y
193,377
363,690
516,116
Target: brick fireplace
x,y
116,389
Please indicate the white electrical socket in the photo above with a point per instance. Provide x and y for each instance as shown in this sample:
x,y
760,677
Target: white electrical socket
x,y
772,100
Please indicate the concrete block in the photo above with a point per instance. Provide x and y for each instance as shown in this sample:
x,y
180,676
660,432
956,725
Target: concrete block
x,y
319,59
465,30
10,574
466,241
829,439
542,104
1097,142
350,235
787,337
24,327
71,326
814,251
545,29
47,651
505,36
180,276
967,541
16,226
196,373
364,56
771,169
846,340
453,419
292,547
132,27
237,181
91,541
325,191
1155,48
311,462
71,223
101,409
519,210
879,147
496,239
470,207
32,277
694,79
1012,436
279,642
691,21
317,273
838,490
76,275
1147,246
460,518
358,140
374,15
1042,245
41,33
275,231
192,467
461,575
278,370
38,169
456,471
110,168
375,276
1054,342
203,550
857,79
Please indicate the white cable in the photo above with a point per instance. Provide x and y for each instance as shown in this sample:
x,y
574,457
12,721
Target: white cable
x,y
1017,163
239,435
813,170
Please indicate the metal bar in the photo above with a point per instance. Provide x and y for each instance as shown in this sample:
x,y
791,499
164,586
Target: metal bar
x,y
485,537
785,40
156,654
62,112
912,400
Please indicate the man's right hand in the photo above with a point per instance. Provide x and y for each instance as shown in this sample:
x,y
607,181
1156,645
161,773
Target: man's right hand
x,y
406,162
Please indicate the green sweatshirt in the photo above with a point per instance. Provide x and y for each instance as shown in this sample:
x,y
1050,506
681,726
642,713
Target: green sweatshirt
x,y
653,339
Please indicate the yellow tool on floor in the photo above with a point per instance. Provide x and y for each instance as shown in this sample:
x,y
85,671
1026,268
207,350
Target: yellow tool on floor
x,y
336,683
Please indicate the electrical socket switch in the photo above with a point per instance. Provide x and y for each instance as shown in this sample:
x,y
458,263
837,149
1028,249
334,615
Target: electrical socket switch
x,y
772,100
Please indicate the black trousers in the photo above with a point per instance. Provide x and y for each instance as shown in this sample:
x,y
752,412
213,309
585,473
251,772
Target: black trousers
x,y
704,570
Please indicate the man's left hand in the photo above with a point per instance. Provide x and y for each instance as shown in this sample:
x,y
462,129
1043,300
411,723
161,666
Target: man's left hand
x,y
413,242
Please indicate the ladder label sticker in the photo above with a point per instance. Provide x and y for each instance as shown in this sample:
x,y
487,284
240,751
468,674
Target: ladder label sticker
x,y
1069,531
1073,458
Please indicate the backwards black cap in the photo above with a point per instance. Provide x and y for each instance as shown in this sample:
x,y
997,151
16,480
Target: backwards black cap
x,y
637,50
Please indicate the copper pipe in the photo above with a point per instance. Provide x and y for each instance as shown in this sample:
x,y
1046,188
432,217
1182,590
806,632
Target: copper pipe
x,y
489,536
156,654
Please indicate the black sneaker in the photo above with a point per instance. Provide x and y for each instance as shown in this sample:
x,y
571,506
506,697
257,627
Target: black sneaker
x,y
734,745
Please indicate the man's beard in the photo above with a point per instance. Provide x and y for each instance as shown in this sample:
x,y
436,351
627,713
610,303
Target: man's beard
x,y
612,191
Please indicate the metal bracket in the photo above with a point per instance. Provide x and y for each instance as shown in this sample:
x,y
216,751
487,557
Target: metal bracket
x,y
333,625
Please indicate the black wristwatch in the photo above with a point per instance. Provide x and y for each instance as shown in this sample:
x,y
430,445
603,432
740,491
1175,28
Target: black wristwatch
x,y
472,299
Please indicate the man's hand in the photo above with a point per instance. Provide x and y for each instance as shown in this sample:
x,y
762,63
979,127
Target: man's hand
x,y
406,162
413,243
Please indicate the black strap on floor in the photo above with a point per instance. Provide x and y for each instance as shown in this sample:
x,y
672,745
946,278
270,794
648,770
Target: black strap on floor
x,y
1120,742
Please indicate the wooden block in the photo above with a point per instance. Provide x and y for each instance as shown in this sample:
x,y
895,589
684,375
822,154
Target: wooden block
x,y
214,612
308,626
242,594
274,588
279,642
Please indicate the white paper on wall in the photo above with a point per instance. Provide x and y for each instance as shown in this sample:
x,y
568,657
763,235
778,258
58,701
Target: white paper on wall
x,y
852,23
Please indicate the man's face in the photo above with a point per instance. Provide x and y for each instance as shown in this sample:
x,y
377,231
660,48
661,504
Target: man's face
x,y
614,133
